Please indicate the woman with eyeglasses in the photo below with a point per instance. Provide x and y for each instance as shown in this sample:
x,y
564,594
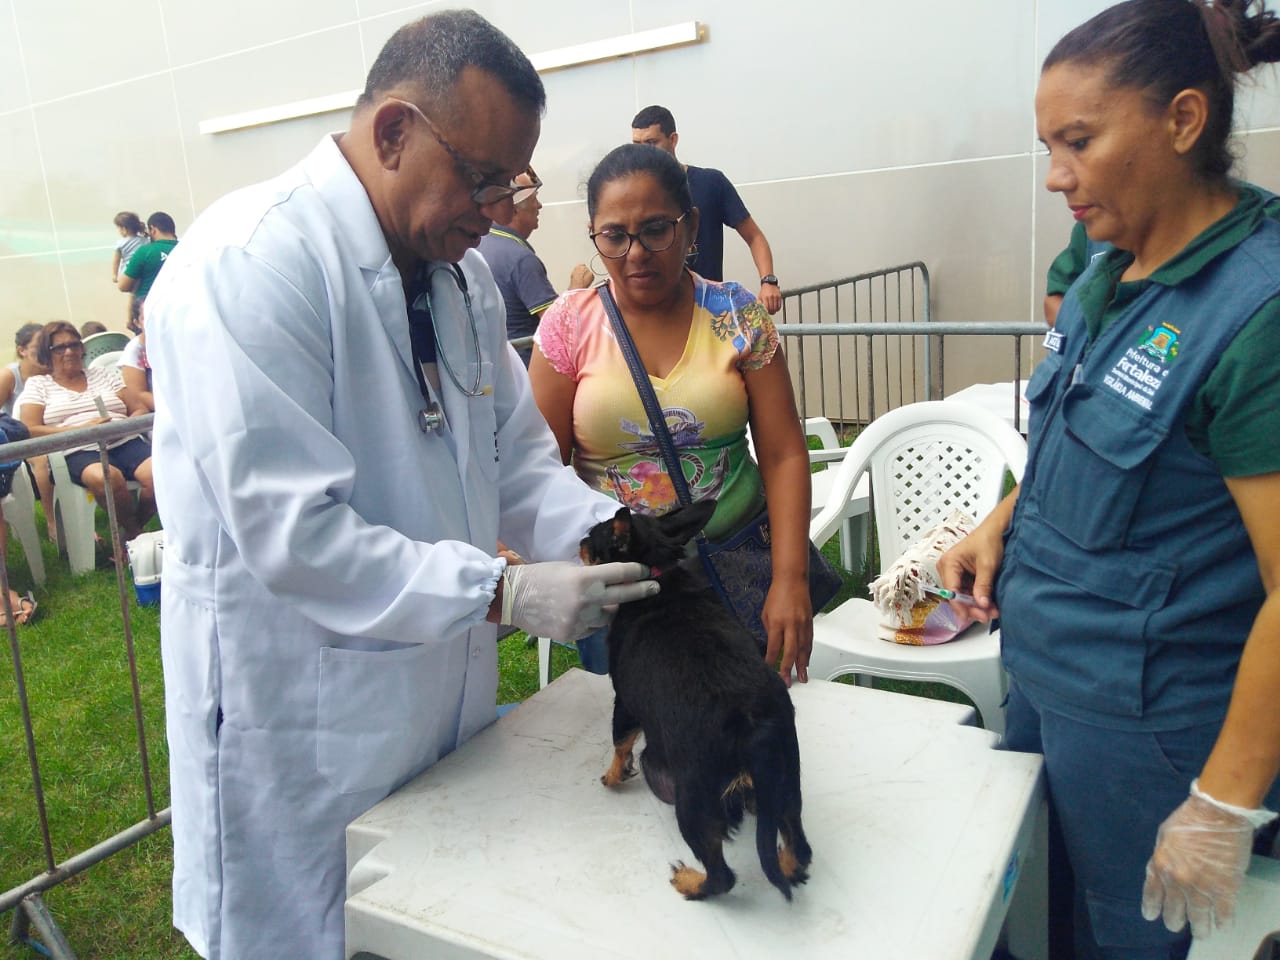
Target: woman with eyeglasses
x,y
713,359
67,398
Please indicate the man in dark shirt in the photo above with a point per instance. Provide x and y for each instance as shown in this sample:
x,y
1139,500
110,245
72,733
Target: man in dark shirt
x,y
719,206
144,266
519,273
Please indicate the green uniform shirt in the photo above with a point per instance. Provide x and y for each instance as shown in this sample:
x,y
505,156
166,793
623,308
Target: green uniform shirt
x,y
1235,416
146,262
1070,263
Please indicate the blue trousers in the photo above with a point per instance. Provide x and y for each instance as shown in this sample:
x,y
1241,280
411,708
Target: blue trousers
x,y
1109,791
593,651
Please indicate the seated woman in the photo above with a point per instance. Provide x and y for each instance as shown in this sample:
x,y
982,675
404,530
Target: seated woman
x,y
713,359
13,377
134,369
67,399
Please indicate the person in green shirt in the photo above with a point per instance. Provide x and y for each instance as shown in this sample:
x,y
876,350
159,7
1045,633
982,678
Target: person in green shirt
x,y
1067,267
144,266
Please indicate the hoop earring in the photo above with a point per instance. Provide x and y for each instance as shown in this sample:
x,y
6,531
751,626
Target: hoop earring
x,y
591,265
692,255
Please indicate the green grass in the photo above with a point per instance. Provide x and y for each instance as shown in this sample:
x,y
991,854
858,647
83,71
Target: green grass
x,y
78,686
79,689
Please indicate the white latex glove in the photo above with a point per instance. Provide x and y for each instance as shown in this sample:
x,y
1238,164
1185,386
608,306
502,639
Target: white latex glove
x,y
565,601
1202,853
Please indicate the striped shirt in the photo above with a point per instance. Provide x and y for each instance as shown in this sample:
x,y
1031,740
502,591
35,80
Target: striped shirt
x,y
63,407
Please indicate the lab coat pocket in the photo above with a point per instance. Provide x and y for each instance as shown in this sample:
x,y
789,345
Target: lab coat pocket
x,y
377,718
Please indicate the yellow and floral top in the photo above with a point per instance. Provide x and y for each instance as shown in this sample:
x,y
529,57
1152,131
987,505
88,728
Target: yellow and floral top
x,y
704,398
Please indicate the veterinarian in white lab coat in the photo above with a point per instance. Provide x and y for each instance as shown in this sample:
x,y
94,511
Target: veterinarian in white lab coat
x,y
331,517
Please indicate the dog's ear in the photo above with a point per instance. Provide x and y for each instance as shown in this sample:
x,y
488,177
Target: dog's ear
x,y
683,524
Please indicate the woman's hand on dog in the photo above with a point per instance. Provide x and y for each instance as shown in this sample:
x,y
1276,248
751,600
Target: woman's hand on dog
x,y
788,616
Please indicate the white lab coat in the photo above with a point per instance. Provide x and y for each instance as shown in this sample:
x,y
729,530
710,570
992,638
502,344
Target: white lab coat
x,y
328,565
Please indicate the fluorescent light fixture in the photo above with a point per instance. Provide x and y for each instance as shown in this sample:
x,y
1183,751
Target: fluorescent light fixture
x,y
284,111
674,36
677,35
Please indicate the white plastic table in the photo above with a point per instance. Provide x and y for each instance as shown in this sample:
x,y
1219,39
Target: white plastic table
x,y
511,848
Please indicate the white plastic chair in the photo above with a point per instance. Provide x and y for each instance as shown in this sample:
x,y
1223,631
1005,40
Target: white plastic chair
x,y
20,514
923,460
853,518
857,507
109,341
108,359
73,509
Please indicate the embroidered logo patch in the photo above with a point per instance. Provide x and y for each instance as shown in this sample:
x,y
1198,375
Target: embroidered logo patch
x,y
1054,340
1139,374
1161,342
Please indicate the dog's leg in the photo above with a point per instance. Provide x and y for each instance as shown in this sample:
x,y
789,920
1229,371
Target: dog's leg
x,y
775,769
697,813
626,730
795,853
656,772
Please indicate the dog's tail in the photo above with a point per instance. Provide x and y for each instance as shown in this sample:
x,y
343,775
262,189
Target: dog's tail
x,y
774,758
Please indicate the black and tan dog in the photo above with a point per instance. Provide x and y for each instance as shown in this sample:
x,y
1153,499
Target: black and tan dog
x,y
718,723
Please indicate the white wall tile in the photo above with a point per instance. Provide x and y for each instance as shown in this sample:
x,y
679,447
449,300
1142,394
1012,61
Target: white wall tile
x,y
198,29
320,63
97,164
75,45
828,88
26,226
13,78
33,293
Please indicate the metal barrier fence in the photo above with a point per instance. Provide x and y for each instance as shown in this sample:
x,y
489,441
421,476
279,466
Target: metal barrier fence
x,y
25,899
857,347
868,343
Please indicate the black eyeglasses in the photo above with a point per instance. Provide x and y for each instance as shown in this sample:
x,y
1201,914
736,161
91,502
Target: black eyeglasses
x,y
64,347
655,236
484,191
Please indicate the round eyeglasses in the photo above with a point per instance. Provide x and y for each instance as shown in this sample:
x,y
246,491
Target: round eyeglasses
x,y
655,236
484,191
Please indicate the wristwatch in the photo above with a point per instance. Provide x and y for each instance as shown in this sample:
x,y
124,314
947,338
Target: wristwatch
x,y
769,279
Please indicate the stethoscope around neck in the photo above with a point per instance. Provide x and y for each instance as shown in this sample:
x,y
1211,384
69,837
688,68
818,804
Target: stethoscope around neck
x,y
431,417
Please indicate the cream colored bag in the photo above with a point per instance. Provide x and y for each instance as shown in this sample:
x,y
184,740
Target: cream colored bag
x,y
907,614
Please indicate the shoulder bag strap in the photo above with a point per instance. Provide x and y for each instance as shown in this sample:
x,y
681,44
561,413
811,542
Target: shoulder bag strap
x,y
657,422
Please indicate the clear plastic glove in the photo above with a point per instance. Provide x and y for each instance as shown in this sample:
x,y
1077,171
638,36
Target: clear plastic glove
x,y
566,601
1202,853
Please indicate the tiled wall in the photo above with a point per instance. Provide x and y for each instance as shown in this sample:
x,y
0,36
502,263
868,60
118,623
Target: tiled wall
x,y
860,134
